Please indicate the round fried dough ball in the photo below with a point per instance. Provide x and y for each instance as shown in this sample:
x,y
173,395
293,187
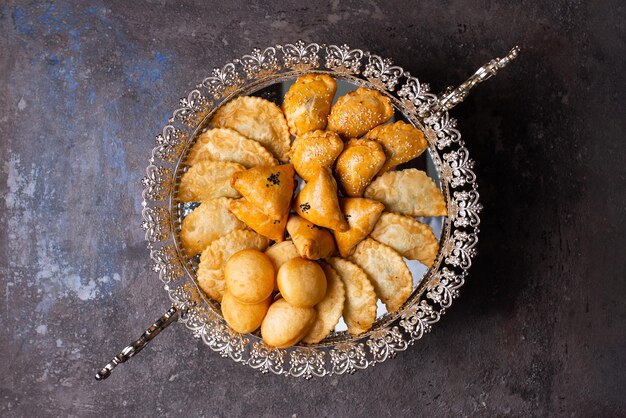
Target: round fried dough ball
x,y
243,317
284,324
302,282
249,276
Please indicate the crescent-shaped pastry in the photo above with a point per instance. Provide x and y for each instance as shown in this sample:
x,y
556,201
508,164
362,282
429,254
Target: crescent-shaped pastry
x,y
401,142
358,112
362,215
409,237
317,202
229,145
257,119
206,223
328,310
311,241
271,228
313,150
386,270
359,309
307,103
357,165
270,189
409,192
208,180
214,257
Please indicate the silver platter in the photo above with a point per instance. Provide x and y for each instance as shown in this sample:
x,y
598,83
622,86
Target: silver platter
x,y
447,160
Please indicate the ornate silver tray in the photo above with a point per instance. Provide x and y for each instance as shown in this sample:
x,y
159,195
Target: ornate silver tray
x,y
448,162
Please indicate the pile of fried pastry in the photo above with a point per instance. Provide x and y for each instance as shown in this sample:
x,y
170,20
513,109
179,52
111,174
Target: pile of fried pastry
x,y
293,262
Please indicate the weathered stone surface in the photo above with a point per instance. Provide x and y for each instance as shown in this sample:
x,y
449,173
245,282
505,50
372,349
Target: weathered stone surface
x,y
540,327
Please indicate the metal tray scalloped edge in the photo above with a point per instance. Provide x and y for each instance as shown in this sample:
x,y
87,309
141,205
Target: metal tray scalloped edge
x,y
440,285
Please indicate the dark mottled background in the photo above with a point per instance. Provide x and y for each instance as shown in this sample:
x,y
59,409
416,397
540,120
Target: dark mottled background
x,y
540,327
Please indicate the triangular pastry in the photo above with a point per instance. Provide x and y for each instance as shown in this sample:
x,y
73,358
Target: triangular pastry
x,y
311,241
362,215
270,189
318,203
271,228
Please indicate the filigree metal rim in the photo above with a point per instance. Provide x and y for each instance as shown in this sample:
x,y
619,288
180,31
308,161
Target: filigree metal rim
x,y
440,285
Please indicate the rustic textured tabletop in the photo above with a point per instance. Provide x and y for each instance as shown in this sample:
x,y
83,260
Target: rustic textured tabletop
x,y
540,328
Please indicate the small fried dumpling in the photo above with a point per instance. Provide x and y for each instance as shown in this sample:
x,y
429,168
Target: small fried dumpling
x,y
208,180
206,223
358,112
313,150
386,270
282,252
409,237
307,103
246,212
214,257
357,165
409,192
317,202
270,189
401,142
229,145
359,309
257,119
362,215
329,309
311,241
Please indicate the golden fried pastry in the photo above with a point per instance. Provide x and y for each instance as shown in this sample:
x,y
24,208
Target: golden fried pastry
x,y
328,310
307,103
386,270
301,282
214,257
257,119
409,237
243,317
359,311
359,111
206,223
229,145
401,142
269,227
317,202
281,253
357,165
313,150
249,276
310,240
270,189
284,325
208,180
409,192
362,215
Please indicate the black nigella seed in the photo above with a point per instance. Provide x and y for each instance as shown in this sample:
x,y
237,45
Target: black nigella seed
x,y
273,178
305,207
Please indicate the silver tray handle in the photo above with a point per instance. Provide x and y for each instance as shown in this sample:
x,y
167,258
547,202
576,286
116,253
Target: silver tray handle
x,y
170,316
453,96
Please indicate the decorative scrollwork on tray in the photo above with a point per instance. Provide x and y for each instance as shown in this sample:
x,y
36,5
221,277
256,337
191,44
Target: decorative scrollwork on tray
x,y
222,81
300,56
307,362
343,60
348,358
394,333
382,73
266,359
260,63
458,168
